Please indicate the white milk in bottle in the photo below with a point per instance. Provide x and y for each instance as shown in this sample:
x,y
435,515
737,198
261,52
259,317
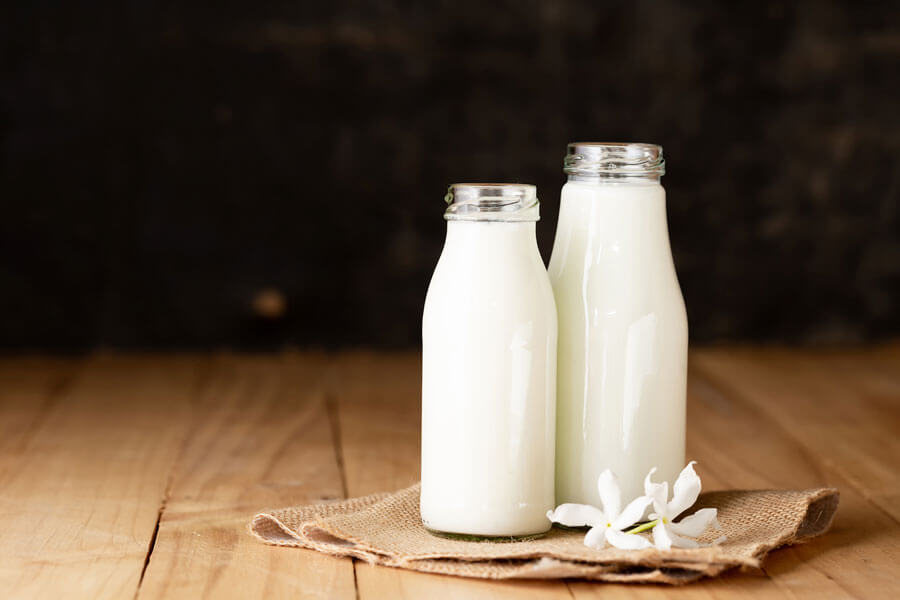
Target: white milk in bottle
x,y
622,324
489,370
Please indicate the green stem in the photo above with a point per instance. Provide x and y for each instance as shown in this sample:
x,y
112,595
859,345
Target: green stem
x,y
644,527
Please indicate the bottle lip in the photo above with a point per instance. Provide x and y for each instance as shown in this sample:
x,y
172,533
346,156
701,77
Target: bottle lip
x,y
614,160
492,202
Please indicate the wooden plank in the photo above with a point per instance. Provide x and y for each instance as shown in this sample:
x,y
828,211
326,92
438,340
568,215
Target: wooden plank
x,y
874,374
379,413
79,506
857,558
261,439
812,396
28,389
730,586
762,454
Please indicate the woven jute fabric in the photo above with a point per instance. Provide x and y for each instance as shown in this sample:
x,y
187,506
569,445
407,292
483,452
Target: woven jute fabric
x,y
385,529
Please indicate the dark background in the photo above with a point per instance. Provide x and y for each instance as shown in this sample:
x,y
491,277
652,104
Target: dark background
x,y
269,173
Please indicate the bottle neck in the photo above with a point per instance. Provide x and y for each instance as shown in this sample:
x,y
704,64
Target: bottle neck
x,y
616,178
489,237
500,229
622,216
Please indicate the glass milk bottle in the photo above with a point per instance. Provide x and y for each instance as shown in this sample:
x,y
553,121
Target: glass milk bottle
x,y
622,324
489,370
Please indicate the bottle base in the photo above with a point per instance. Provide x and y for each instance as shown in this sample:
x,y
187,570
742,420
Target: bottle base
x,y
468,537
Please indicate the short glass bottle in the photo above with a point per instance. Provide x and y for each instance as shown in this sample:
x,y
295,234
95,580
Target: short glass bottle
x,y
489,370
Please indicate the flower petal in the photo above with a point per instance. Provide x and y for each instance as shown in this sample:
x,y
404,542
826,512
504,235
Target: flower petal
x,y
626,541
610,496
632,513
577,515
659,492
661,537
685,491
596,537
696,524
683,542
647,483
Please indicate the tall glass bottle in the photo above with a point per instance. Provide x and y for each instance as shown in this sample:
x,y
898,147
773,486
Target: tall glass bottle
x,y
489,370
622,324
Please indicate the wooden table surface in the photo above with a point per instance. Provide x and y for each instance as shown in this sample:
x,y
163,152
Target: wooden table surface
x,y
135,476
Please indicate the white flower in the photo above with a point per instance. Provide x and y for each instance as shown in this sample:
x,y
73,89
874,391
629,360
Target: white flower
x,y
606,524
667,533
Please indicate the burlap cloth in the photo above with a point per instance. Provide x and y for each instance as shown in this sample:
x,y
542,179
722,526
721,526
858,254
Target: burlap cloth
x,y
385,529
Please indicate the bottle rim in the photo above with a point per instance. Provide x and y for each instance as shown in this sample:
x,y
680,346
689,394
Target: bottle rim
x,y
492,202
616,160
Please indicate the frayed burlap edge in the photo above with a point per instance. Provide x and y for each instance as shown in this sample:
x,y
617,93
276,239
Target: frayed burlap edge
x,y
318,527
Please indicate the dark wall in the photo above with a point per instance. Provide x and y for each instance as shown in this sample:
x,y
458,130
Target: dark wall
x,y
162,166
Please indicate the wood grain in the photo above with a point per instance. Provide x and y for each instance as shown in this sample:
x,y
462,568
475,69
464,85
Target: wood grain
x,y
786,448
96,453
814,400
260,437
28,389
80,502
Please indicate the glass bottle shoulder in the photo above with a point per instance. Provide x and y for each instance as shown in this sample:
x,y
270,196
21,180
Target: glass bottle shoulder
x,y
490,266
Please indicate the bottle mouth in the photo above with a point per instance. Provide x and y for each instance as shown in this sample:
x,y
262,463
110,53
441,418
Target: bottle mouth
x,y
614,160
492,202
